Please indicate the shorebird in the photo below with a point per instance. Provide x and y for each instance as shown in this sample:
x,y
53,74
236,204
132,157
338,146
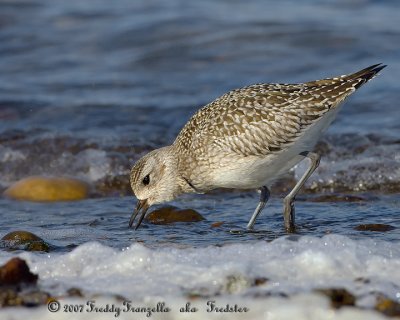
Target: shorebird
x,y
246,139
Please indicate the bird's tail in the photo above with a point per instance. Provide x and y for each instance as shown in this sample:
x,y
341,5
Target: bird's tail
x,y
339,88
364,75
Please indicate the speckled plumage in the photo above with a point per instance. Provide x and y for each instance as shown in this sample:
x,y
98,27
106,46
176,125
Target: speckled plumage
x,y
249,136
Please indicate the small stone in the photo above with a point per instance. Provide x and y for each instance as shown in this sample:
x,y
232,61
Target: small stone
x,y
18,285
260,281
29,297
170,214
24,240
48,189
388,307
339,297
362,280
16,271
374,227
217,224
9,297
34,298
337,198
74,292
236,283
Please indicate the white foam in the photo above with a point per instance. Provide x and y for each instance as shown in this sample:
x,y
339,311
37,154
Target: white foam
x,y
292,267
96,162
8,154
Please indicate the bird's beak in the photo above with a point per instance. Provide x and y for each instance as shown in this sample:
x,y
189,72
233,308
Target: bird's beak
x,y
141,205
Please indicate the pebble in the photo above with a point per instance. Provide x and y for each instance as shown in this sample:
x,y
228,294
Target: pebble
x,y
171,214
24,240
48,189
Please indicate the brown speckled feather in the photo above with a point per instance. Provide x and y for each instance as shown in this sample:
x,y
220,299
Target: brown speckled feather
x,y
263,118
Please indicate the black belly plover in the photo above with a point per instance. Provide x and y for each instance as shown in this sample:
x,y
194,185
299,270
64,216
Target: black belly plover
x,y
245,139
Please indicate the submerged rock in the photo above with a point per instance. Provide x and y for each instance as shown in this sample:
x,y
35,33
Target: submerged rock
x,y
48,189
16,271
172,214
374,227
337,198
24,240
217,224
339,297
388,307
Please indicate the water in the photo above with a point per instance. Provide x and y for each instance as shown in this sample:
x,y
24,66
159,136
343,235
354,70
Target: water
x,y
88,87
106,221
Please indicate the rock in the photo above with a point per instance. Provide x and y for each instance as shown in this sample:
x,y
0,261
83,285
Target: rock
x,y
24,240
12,296
9,297
217,224
74,292
33,298
339,297
337,198
48,189
236,283
362,280
16,271
374,227
260,281
172,214
18,285
388,307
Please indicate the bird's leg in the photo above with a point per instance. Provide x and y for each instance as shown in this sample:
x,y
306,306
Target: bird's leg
x,y
264,196
288,202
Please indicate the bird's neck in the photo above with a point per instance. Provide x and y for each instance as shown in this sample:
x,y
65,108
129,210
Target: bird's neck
x,y
183,182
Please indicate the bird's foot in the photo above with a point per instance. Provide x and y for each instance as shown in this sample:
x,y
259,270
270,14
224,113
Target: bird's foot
x,y
289,215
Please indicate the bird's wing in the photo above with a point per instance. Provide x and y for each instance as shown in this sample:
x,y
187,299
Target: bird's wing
x,y
260,120
264,118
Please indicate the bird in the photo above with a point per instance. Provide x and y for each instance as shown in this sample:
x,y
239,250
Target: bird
x,y
245,139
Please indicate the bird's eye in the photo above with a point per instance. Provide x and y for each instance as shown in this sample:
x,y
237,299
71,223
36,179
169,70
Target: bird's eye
x,y
146,180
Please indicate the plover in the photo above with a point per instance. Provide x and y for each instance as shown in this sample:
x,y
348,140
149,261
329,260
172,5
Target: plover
x,y
245,139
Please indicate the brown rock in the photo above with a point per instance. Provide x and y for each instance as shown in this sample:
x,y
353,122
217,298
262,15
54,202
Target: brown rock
x,y
236,283
374,227
47,189
74,292
217,224
337,198
24,240
388,307
12,293
34,298
172,214
16,271
260,281
339,297
10,296
21,236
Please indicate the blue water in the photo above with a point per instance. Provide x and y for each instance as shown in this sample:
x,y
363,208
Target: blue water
x,y
67,225
88,87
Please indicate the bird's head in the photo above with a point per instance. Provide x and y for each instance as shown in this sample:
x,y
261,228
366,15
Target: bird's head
x,y
155,179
